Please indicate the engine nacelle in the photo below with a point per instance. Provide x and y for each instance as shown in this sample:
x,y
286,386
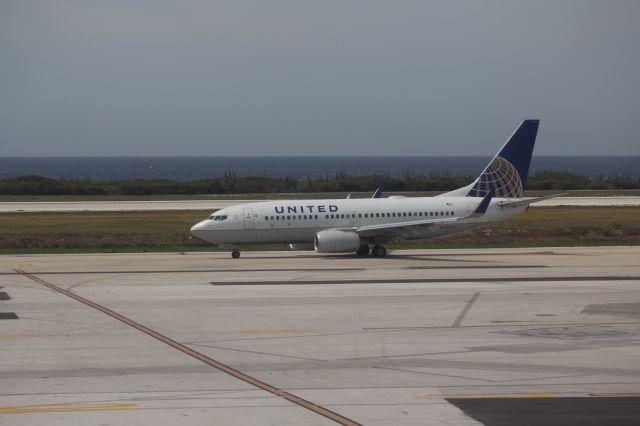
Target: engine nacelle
x,y
301,247
336,241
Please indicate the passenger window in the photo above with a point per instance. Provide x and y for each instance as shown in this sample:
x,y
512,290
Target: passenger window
x,y
436,213
441,214
377,214
342,216
409,213
316,216
271,217
266,218
277,217
404,214
288,217
430,213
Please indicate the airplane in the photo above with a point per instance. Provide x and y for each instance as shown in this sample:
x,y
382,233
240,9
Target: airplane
x,y
363,225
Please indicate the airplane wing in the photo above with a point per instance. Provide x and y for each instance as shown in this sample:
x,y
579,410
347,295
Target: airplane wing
x,y
528,201
401,230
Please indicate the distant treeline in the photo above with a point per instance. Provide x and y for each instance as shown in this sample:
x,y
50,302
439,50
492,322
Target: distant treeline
x,y
232,183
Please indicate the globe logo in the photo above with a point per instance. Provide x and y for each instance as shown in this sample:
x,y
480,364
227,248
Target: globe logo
x,y
500,176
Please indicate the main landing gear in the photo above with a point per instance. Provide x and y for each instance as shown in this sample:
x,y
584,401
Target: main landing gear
x,y
376,251
363,250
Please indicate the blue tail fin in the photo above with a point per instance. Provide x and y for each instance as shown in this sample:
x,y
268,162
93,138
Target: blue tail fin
x,y
506,174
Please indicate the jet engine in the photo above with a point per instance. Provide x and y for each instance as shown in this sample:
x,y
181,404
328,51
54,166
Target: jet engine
x,y
336,241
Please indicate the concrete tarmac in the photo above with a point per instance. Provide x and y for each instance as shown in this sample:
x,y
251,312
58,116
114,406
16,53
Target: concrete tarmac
x,y
210,205
293,338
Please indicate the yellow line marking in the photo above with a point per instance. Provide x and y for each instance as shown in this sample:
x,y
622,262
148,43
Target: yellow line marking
x,y
65,408
528,395
19,335
199,356
273,330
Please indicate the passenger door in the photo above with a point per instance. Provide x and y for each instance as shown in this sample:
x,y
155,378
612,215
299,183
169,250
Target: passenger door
x,y
248,218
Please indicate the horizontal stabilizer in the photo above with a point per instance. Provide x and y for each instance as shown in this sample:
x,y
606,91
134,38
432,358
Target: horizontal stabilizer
x,y
528,201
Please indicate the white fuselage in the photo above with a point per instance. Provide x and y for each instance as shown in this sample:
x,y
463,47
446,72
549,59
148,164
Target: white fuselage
x,y
298,221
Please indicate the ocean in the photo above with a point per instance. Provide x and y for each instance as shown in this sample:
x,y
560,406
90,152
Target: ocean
x,y
193,168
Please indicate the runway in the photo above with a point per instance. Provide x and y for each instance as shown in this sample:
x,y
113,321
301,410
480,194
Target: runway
x,y
210,205
458,337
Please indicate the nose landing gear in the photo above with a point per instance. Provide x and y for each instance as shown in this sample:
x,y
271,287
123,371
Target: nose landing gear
x,y
235,253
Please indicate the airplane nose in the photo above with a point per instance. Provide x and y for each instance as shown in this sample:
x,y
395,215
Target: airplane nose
x,y
198,230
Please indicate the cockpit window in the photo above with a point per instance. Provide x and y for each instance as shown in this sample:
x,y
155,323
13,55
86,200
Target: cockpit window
x,y
218,217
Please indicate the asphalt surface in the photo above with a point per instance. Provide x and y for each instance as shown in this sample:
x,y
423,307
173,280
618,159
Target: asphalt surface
x,y
453,337
570,411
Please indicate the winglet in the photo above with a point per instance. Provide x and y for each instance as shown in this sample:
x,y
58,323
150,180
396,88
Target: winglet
x,y
378,193
484,204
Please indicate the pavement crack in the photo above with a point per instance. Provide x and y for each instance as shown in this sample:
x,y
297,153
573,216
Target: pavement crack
x,y
254,352
464,312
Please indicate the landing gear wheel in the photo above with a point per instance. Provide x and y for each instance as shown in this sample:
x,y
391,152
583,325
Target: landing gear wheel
x,y
363,250
235,254
379,251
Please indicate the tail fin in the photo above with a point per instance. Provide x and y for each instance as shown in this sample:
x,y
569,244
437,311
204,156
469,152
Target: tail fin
x,y
506,174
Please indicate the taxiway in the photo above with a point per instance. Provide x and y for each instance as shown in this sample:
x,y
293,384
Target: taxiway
x,y
210,205
420,337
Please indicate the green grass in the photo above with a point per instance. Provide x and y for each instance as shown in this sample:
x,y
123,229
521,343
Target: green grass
x,y
73,232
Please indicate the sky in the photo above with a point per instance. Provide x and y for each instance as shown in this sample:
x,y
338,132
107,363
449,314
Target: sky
x,y
330,77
